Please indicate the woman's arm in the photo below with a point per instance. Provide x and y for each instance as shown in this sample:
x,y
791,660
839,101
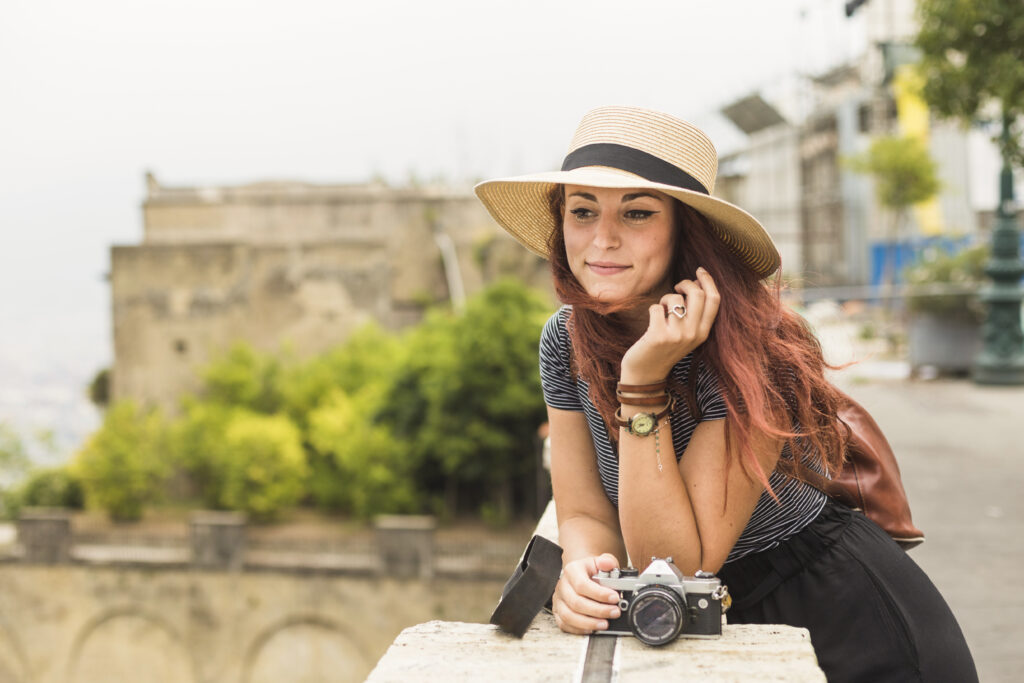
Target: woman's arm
x,y
588,527
587,521
695,512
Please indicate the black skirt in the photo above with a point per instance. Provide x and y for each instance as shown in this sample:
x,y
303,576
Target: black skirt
x,y
872,613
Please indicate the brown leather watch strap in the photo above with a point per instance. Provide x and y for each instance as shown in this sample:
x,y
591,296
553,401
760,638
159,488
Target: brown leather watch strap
x,y
658,400
643,388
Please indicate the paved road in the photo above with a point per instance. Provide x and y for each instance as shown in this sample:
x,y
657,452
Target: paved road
x,y
961,450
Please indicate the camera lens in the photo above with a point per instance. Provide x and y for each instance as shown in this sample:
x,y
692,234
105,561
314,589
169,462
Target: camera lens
x,y
656,615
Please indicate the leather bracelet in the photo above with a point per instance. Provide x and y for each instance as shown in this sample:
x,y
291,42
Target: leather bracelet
x,y
642,400
643,388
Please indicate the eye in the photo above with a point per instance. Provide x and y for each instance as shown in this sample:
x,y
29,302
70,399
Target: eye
x,y
639,214
582,213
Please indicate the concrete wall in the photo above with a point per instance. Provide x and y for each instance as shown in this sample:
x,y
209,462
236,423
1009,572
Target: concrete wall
x,y
96,625
288,263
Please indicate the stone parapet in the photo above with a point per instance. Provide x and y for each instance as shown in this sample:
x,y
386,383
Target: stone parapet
x,y
453,651
45,535
217,539
405,544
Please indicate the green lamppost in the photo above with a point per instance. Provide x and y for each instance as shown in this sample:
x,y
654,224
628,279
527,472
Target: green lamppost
x,y
972,52
1001,360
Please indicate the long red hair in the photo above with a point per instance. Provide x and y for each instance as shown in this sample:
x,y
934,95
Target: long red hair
x,y
769,363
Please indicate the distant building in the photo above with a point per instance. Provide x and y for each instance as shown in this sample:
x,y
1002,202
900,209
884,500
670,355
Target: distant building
x,y
292,264
825,218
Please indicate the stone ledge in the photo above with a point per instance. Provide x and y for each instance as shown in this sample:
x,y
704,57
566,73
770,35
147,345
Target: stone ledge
x,y
455,651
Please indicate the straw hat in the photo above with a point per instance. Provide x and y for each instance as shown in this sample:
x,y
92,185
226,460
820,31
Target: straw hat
x,y
629,147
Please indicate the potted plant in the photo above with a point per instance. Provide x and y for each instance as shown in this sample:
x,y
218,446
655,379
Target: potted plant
x,y
945,313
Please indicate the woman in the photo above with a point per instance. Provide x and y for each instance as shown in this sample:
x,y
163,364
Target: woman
x,y
680,393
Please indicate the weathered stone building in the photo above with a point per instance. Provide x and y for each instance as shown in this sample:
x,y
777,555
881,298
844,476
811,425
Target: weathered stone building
x,y
287,263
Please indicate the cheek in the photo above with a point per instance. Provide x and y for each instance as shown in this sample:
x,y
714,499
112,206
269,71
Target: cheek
x,y
574,244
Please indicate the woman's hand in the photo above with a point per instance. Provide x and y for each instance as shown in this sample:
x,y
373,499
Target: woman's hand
x,y
668,337
580,604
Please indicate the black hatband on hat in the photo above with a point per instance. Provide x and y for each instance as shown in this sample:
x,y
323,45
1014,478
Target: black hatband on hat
x,y
633,161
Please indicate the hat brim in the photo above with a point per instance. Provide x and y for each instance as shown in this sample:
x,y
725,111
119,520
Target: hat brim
x,y
520,205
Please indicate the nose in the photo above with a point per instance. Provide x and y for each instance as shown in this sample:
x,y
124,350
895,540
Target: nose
x,y
606,232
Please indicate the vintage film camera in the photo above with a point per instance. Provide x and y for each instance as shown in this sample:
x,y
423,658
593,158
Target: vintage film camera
x,y
660,603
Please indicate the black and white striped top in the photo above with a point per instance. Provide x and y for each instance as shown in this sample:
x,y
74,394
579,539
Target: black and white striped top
x,y
770,523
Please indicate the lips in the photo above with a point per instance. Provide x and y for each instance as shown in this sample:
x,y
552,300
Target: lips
x,y
606,267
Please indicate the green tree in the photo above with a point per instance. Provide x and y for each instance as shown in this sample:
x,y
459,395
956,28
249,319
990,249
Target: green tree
x,y
904,174
99,389
467,398
359,467
123,465
245,378
14,462
264,464
973,63
198,447
52,487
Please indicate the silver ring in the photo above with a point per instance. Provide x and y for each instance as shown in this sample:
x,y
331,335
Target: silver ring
x,y
679,311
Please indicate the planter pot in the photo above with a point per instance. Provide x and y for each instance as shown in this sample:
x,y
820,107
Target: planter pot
x,y
946,343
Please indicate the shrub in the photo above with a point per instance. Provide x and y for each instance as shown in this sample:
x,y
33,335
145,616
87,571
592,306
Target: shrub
x,y
359,466
197,446
52,487
123,465
264,465
964,270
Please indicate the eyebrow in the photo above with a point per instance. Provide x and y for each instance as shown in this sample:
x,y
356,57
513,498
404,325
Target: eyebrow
x,y
625,198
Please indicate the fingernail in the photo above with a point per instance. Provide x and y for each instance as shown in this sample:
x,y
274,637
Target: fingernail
x,y
615,613
602,626
700,269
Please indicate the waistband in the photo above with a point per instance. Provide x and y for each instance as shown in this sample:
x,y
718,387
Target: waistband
x,y
752,577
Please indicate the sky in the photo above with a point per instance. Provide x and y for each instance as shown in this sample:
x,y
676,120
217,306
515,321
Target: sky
x,y
92,95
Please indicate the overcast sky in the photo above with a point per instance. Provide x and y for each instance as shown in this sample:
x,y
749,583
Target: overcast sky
x,y
92,94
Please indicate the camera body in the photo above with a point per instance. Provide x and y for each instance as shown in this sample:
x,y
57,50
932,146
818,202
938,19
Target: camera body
x,y
661,603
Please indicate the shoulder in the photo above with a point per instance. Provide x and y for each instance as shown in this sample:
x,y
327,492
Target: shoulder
x,y
554,338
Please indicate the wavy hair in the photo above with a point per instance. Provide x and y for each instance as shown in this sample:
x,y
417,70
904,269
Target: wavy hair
x,y
768,362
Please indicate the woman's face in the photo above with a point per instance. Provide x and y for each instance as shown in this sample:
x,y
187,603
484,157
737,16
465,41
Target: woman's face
x,y
619,243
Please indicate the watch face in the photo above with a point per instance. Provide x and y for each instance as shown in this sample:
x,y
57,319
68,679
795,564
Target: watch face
x,y
642,424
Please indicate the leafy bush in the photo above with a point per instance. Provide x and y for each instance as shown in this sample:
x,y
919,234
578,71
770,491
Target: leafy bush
x,y
360,467
964,270
197,447
264,465
123,465
52,487
244,378
467,398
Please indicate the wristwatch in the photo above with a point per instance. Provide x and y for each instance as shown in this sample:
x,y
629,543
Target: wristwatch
x,y
643,424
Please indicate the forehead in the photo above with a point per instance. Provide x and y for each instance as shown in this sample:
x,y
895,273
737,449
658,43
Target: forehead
x,y
614,194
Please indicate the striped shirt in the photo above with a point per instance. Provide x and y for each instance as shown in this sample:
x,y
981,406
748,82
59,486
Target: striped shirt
x,y
770,523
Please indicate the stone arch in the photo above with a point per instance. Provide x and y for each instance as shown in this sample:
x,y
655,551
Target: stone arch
x,y
315,649
13,662
157,653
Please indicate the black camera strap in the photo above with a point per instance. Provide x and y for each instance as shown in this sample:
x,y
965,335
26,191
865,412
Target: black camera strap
x,y
529,587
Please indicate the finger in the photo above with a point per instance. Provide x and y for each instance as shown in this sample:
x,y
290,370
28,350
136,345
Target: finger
x,y
674,306
570,622
581,582
585,607
606,562
578,615
695,300
656,314
712,300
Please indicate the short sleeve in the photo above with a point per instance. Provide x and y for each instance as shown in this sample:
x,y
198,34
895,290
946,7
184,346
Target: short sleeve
x,y
556,378
709,394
